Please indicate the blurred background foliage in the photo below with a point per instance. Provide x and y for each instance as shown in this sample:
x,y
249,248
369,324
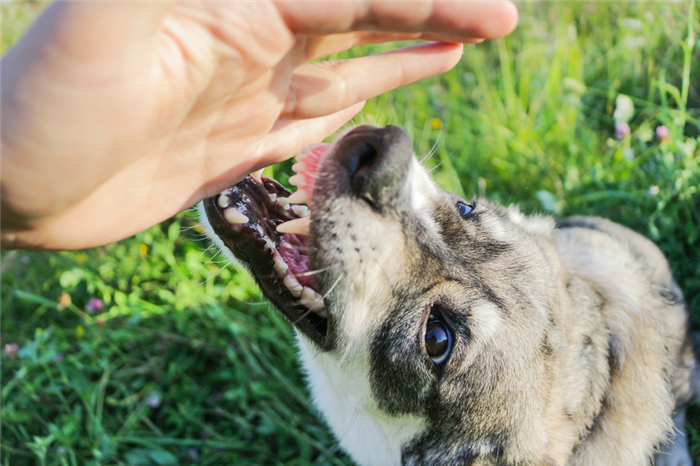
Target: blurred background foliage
x,y
152,351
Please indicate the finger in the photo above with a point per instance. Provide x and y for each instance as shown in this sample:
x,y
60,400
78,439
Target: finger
x,y
448,20
323,46
319,89
284,141
286,138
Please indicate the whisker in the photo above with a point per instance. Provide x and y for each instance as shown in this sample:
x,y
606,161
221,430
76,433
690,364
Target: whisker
x,y
305,274
198,237
436,166
210,260
313,272
213,276
189,224
303,316
211,245
510,197
426,157
433,150
330,290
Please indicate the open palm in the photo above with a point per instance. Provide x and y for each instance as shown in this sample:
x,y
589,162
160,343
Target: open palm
x,y
118,115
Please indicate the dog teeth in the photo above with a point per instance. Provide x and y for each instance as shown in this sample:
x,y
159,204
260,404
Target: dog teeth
x,y
222,201
234,216
280,265
306,150
299,197
311,299
273,197
298,167
298,180
269,245
284,202
257,175
293,285
300,210
298,226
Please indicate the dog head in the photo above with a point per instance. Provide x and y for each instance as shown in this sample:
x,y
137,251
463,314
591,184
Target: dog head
x,y
424,319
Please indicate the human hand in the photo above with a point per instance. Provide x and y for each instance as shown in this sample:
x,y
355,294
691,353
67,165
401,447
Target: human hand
x,y
118,115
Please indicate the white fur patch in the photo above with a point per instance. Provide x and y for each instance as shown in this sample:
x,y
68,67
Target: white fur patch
x,y
487,319
209,231
342,392
496,229
421,192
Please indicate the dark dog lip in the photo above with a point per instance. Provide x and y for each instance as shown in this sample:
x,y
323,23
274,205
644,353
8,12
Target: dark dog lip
x,y
246,218
251,241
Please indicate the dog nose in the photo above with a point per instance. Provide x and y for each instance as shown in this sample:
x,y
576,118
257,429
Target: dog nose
x,y
376,161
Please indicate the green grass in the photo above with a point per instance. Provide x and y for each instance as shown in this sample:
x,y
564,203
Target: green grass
x,y
186,365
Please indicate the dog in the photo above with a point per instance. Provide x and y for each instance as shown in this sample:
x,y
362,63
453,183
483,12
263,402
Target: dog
x,y
440,331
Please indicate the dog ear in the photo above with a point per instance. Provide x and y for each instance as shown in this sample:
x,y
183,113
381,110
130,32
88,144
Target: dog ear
x,y
540,225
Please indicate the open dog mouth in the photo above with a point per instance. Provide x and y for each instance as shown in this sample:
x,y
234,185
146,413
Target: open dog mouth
x,y
266,226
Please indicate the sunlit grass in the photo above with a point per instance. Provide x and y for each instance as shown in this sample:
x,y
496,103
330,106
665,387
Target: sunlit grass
x,y
184,364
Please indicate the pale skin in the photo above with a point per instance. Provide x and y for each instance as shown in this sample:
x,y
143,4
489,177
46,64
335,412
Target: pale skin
x,y
116,116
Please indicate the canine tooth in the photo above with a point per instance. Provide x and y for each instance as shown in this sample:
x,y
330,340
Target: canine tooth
x,y
284,202
298,167
297,180
273,197
300,210
235,216
299,197
280,266
292,285
257,175
299,226
223,201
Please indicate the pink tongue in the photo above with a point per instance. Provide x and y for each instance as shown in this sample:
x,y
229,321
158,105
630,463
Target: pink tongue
x,y
311,163
294,252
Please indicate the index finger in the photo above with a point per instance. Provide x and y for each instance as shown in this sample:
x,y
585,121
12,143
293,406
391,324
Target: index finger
x,y
453,21
323,46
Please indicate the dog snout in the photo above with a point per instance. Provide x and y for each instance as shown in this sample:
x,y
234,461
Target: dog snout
x,y
376,161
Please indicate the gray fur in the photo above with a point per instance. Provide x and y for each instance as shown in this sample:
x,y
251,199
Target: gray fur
x,y
569,340
581,367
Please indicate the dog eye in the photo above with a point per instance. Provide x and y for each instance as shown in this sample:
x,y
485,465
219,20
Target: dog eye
x,y
438,341
464,209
